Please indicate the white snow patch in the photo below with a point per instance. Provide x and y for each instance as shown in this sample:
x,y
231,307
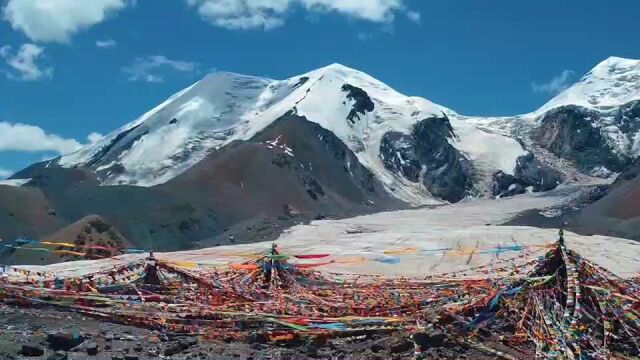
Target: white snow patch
x,y
14,182
491,149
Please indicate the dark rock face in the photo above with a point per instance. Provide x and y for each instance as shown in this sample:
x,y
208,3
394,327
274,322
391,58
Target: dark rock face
x,y
568,133
529,173
120,143
362,102
397,152
317,150
628,117
427,156
301,82
507,185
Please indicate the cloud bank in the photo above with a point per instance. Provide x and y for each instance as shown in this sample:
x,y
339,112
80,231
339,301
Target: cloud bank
x,y
269,14
58,20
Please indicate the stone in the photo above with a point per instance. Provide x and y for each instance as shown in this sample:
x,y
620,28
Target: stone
x,y
377,347
91,348
32,350
401,346
188,342
64,341
426,341
258,339
311,351
58,355
173,348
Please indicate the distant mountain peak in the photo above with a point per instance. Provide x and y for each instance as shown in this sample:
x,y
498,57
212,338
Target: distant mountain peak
x,y
613,82
614,64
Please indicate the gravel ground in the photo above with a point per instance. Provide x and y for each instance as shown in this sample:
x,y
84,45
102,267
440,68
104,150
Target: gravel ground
x,y
45,331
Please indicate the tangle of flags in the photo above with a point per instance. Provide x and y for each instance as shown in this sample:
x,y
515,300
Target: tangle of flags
x,y
31,245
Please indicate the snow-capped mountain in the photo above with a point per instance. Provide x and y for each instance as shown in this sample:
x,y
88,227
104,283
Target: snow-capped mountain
x,y
237,158
469,156
224,107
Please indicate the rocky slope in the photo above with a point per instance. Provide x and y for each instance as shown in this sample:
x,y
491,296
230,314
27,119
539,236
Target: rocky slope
x,y
617,213
261,185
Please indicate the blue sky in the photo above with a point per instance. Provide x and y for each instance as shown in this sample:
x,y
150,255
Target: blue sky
x,y
77,67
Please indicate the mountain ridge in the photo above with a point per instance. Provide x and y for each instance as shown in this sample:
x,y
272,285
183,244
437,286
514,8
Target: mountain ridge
x,y
236,158
257,101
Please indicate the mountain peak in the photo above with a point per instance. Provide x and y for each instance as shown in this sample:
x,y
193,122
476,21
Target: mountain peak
x,y
614,67
342,71
613,82
618,62
230,75
337,67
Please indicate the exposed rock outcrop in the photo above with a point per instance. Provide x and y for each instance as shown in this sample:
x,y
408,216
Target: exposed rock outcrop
x,y
569,133
427,156
529,175
362,103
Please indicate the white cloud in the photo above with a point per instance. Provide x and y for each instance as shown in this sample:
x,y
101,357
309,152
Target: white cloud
x,y
269,14
555,85
242,14
106,44
29,138
5,173
151,68
364,36
94,137
58,20
24,63
414,16
372,10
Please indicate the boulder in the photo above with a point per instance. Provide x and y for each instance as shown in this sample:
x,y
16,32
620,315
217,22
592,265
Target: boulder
x,y
32,350
175,348
377,346
425,340
91,348
401,346
58,355
64,341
